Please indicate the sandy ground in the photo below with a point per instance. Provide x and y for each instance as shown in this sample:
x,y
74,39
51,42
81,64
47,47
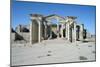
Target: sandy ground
x,y
52,51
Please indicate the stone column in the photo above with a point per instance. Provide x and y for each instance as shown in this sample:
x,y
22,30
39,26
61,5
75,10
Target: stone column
x,y
57,27
74,31
58,30
31,32
68,31
61,30
50,31
45,30
39,31
81,32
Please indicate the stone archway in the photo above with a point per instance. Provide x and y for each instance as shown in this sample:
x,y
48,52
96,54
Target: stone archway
x,y
59,25
35,28
40,25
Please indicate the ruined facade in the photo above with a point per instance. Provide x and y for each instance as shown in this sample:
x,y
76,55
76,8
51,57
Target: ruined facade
x,y
42,28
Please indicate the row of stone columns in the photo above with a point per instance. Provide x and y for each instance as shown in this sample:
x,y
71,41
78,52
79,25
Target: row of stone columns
x,y
70,32
67,33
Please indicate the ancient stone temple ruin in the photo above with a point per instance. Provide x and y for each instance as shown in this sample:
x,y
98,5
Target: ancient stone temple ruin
x,y
41,28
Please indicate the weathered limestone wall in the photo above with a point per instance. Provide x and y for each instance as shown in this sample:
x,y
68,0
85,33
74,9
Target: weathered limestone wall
x,y
34,31
12,37
26,36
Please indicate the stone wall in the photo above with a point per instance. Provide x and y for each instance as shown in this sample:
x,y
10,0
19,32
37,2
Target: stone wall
x,y
15,37
12,37
26,36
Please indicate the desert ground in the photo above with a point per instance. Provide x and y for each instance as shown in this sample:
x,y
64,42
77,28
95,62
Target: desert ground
x,y
52,51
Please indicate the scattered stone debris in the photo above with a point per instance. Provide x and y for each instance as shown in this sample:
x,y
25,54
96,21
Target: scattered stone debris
x,y
82,58
48,54
49,51
93,52
85,41
40,56
90,46
44,56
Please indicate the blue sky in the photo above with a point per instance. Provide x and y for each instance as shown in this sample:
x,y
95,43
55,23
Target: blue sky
x,y
85,14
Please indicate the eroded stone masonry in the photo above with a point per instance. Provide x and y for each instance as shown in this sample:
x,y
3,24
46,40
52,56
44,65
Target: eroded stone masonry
x,y
41,28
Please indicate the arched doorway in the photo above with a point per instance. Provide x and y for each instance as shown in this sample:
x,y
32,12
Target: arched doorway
x,y
55,25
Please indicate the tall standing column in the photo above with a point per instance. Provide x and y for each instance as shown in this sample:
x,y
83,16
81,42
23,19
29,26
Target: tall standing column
x,y
45,32
39,31
57,27
68,33
74,31
31,32
50,31
81,31
58,30
61,30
